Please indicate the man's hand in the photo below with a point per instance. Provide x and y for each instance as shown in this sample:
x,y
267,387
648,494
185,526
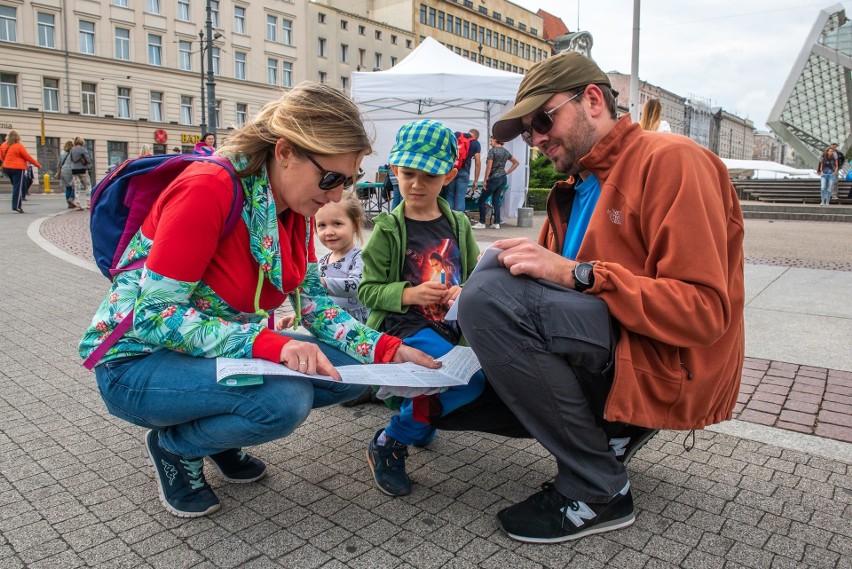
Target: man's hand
x,y
424,294
523,256
408,354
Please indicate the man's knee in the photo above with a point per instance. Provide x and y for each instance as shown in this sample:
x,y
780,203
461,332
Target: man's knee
x,y
492,294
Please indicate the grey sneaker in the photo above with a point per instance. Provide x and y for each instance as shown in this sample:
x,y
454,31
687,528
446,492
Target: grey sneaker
x,y
180,481
388,465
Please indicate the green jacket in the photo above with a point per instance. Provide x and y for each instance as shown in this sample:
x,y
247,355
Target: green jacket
x,y
383,256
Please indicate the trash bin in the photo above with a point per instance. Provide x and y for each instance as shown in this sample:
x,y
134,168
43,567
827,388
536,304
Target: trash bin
x,y
525,217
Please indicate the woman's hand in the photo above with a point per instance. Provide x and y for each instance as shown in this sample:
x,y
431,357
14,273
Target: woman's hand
x,y
408,354
424,294
305,357
286,322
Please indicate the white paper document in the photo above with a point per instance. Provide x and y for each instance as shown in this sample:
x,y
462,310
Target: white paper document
x,y
488,260
459,364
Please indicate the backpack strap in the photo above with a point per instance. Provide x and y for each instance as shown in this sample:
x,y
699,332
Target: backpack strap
x,y
230,223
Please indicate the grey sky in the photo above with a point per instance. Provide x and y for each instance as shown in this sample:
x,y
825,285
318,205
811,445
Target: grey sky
x,y
734,53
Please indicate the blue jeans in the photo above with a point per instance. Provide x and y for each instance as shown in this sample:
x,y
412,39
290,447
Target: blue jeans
x,y
494,188
69,192
457,190
17,178
826,184
178,395
407,429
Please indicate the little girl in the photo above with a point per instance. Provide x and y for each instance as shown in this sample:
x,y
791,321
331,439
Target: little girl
x,y
337,226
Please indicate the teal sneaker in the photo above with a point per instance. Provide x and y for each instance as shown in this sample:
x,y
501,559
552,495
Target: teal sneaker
x,y
180,481
388,465
238,466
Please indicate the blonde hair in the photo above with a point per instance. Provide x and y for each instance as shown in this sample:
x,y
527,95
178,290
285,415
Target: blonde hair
x,y
145,150
354,211
651,114
13,137
313,118
68,146
78,141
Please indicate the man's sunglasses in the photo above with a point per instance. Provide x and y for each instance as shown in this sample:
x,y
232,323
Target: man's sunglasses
x,y
331,180
542,121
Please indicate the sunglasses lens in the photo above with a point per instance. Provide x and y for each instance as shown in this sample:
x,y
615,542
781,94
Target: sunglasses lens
x,y
541,122
331,180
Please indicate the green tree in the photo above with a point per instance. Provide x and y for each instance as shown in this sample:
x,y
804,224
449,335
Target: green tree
x,y
542,174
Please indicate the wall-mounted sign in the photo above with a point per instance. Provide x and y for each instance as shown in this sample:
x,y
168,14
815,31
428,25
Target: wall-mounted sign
x,y
190,138
5,125
161,136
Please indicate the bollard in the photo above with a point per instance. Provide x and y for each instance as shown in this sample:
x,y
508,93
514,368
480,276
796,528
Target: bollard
x,y
525,217
46,183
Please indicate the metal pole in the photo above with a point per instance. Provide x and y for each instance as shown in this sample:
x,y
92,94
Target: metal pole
x,y
211,85
634,65
203,108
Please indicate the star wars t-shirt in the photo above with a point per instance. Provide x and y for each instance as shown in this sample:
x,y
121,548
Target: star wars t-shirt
x,y
431,254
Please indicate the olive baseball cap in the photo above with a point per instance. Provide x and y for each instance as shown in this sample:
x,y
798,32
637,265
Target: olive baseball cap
x,y
425,145
556,74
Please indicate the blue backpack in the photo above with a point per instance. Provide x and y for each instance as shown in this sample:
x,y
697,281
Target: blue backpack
x,y
121,202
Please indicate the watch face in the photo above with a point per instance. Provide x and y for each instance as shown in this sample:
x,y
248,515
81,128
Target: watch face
x,y
582,273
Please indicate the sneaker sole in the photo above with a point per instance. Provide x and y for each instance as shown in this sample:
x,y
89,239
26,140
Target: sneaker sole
x,y
379,486
238,480
648,436
171,509
600,528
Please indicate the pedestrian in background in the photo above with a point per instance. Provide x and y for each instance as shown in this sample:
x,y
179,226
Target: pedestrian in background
x,y
15,159
827,169
81,162
495,180
651,119
145,150
64,175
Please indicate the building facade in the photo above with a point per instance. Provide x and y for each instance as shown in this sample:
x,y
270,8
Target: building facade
x,y
123,73
731,136
768,147
674,106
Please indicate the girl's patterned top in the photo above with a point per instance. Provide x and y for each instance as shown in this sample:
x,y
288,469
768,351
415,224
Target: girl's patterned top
x,y
208,297
342,278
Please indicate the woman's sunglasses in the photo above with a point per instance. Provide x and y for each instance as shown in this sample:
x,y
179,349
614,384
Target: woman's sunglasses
x,y
331,180
542,121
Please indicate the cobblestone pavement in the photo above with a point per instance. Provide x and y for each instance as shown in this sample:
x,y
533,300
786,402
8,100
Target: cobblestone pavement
x,y
75,489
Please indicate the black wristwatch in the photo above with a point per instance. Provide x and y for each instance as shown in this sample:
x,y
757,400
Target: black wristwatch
x,y
584,276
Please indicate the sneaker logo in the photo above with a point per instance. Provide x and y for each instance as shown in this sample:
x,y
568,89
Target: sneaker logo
x,y
577,512
170,471
619,446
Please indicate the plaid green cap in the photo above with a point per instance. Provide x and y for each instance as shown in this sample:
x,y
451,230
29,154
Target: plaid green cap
x,y
425,145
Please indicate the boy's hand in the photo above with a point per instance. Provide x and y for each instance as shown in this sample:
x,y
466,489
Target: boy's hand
x,y
286,322
451,295
424,294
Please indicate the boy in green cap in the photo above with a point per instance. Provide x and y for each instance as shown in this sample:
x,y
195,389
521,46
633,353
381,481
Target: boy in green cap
x,y
415,262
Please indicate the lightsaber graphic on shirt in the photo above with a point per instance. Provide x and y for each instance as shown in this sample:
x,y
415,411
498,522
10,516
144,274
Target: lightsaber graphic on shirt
x,y
488,260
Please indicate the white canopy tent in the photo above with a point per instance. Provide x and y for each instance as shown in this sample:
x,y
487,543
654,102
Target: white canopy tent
x,y
766,169
432,82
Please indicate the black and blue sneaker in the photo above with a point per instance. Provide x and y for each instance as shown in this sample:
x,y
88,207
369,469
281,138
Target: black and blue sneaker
x,y
388,465
238,466
183,490
630,440
549,517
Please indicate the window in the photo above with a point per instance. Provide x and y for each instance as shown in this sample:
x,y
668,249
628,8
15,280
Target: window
x,y
239,20
362,30
466,28
185,55
152,6
496,15
344,83
46,30
287,74
122,44
272,71
183,10
155,49
378,61
510,21
214,12
116,152
88,93
216,68
156,107
51,95
393,61
344,53
522,27
468,4
534,31
321,18
344,25
185,109
242,114
449,26
408,44
286,31
271,28
218,113
422,13
8,24
322,76
321,47
458,26
483,10
393,39
378,34
121,3
123,99
361,54
432,16
87,37
239,65
8,91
